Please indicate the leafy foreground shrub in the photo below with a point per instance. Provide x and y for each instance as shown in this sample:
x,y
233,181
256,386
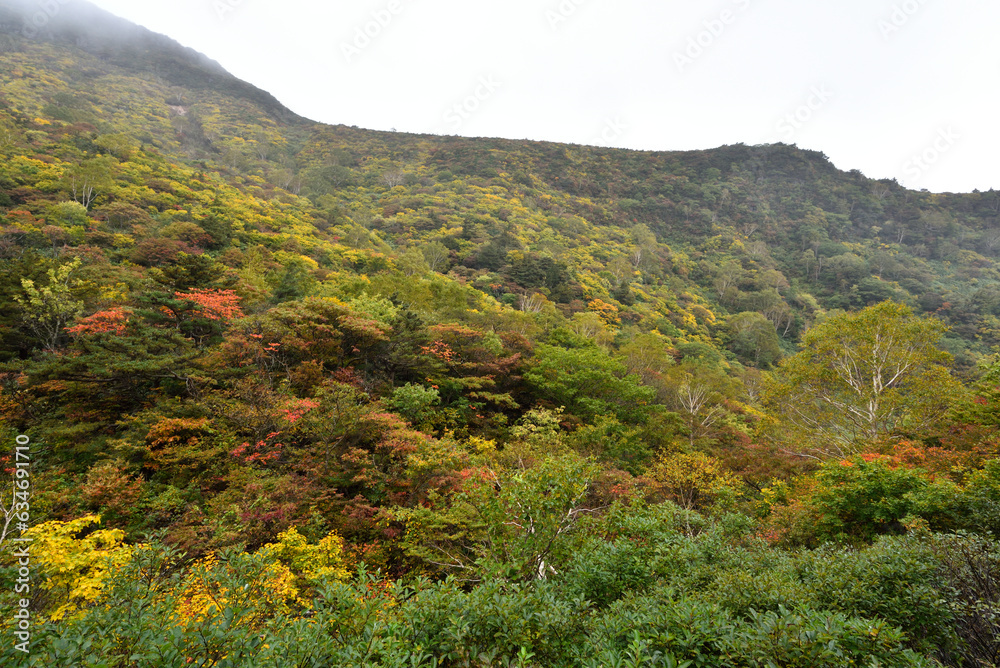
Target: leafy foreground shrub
x,y
640,590
897,580
606,571
970,565
643,632
140,621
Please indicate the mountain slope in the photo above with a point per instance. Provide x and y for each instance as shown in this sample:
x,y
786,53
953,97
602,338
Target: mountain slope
x,y
117,42
792,235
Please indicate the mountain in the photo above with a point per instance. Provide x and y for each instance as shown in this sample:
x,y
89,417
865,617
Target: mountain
x,y
246,353
791,229
132,153
117,42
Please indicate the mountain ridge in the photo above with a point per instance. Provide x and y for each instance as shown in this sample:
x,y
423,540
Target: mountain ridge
x,y
94,30
128,45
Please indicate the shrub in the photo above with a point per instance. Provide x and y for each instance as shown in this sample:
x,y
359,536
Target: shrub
x,y
982,496
970,566
896,579
416,404
858,499
158,251
602,572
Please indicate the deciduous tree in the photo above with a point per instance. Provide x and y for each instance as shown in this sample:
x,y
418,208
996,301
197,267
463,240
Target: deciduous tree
x,y
862,378
47,309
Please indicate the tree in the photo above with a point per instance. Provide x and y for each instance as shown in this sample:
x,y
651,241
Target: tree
x,y
313,562
9,134
416,403
119,144
698,392
589,382
74,562
436,255
613,444
48,309
754,339
862,378
110,321
529,514
412,262
86,181
727,278
67,214
115,361
519,524
857,499
14,494
693,481
647,354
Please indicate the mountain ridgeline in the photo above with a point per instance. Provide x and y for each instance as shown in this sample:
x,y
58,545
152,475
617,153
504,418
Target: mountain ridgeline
x,y
330,367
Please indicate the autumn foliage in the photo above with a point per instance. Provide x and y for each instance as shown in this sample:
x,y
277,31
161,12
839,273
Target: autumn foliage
x,y
111,321
214,304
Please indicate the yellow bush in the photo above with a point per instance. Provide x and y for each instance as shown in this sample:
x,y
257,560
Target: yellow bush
x,y
313,562
206,592
74,568
694,480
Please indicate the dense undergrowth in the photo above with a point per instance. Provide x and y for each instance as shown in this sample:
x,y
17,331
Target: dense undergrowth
x,y
654,595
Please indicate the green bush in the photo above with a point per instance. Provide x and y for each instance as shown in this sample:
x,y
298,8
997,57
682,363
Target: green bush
x,y
660,627
970,568
687,632
858,500
605,571
638,593
896,579
811,639
982,496
416,403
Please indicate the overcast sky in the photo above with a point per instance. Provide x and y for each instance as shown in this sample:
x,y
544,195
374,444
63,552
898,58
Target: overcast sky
x,y
903,89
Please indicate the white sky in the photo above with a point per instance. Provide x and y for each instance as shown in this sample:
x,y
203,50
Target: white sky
x,y
888,80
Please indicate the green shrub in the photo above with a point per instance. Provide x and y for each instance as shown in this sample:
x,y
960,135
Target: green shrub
x,y
896,579
605,571
858,500
982,496
684,629
970,567
416,403
810,639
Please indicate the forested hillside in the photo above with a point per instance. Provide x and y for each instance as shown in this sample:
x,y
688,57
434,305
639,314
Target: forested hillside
x,y
311,395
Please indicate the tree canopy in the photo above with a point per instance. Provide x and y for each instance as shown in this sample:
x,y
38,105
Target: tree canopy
x,y
864,377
